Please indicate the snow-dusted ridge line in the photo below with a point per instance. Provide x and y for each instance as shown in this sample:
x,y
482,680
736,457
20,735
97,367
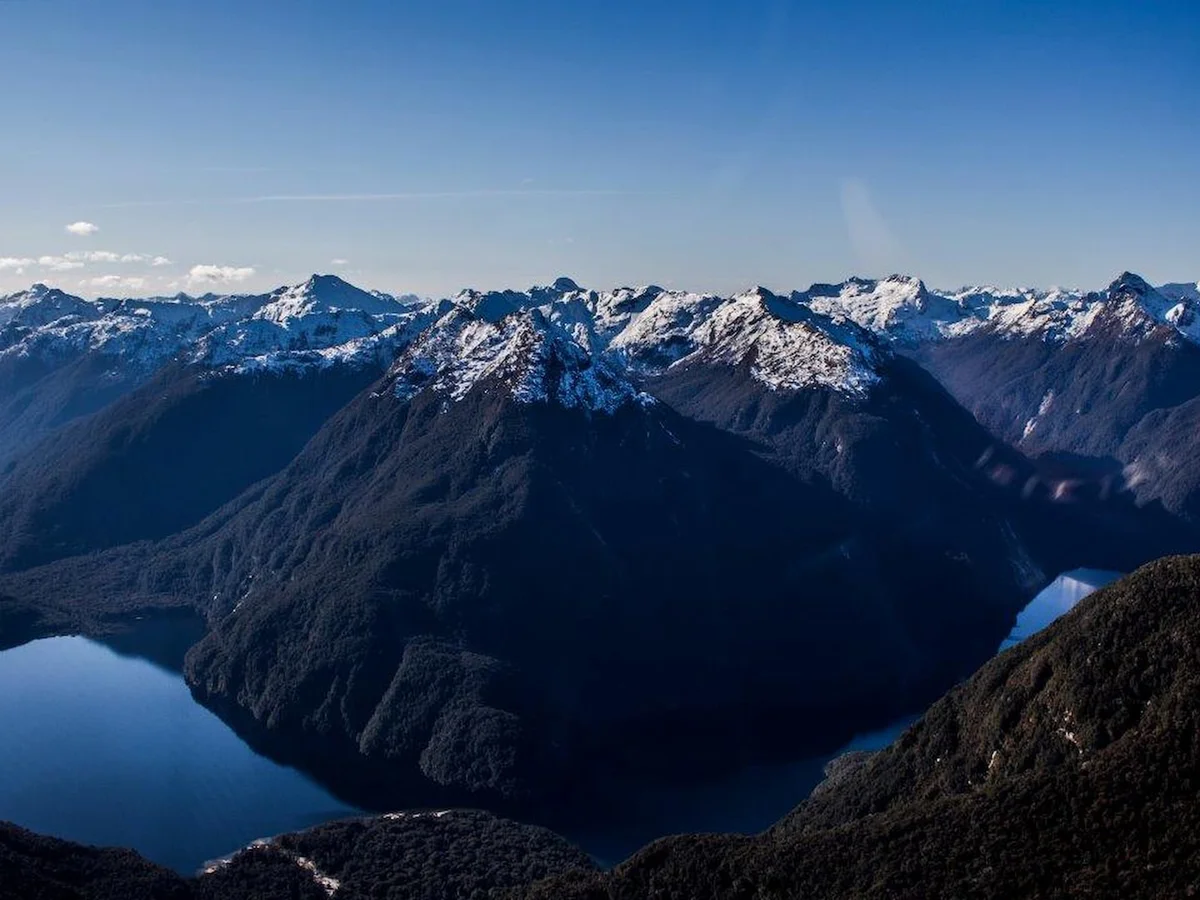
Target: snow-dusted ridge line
x,y
904,310
786,345
579,348
322,322
590,350
531,357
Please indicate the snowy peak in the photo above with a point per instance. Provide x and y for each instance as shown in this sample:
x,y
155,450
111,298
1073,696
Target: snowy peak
x,y
323,321
1141,310
900,307
492,306
1127,284
325,294
41,305
523,353
785,344
582,348
904,311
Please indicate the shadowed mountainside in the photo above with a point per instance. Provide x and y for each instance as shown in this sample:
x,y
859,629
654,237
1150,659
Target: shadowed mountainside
x,y
1066,767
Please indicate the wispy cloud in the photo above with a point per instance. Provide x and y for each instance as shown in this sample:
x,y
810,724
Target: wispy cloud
x,y
77,259
209,274
93,256
82,229
339,262
398,196
877,247
107,256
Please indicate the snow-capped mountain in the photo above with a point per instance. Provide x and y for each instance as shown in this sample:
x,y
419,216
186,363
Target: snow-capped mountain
x,y
905,311
785,345
255,331
63,357
40,306
590,349
1109,377
523,352
323,322
520,529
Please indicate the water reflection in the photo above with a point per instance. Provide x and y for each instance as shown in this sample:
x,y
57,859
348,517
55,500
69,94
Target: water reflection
x,y
111,749
1059,597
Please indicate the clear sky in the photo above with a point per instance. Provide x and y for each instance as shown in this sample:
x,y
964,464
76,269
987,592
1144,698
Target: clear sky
x,y
428,146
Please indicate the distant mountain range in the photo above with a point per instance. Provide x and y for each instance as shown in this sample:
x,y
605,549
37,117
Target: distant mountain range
x,y
494,549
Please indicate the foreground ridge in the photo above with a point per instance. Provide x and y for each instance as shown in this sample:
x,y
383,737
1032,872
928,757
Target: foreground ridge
x,y
1066,767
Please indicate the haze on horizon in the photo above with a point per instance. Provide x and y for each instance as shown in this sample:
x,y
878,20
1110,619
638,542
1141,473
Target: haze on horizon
x,y
155,147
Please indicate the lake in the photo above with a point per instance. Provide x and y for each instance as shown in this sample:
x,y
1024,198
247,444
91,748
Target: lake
x,y
103,744
107,748
1059,597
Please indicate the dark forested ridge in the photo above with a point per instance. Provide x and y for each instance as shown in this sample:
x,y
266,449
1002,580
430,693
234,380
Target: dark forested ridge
x,y
1068,766
534,589
159,459
450,855
474,603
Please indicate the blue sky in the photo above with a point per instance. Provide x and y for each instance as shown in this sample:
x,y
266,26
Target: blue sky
x,y
432,146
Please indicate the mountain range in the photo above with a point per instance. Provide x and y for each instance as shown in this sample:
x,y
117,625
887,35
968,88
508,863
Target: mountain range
x,y
499,548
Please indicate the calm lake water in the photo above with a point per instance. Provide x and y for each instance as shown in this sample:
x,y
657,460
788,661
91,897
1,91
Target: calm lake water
x,y
103,744
110,749
1059,597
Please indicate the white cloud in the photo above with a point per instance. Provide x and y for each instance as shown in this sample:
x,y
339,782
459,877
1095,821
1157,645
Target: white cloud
x,y
58,263
208,274
15,262
82,229
107,256
93,256
109,282
339,262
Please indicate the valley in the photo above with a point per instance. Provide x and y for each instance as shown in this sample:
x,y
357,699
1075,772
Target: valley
x,y
621,563
106,746
599,451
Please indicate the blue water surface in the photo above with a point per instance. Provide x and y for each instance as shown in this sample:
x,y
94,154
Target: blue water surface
x,y
111,749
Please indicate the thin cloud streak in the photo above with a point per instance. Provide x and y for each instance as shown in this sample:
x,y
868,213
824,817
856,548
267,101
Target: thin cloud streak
x,y
873,241
375,198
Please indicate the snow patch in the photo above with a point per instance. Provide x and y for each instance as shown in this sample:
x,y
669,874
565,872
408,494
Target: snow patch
x,y
785,344
327,883
903,310
532,358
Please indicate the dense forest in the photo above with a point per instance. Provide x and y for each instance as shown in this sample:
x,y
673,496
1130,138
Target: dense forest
x,y
1067,767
